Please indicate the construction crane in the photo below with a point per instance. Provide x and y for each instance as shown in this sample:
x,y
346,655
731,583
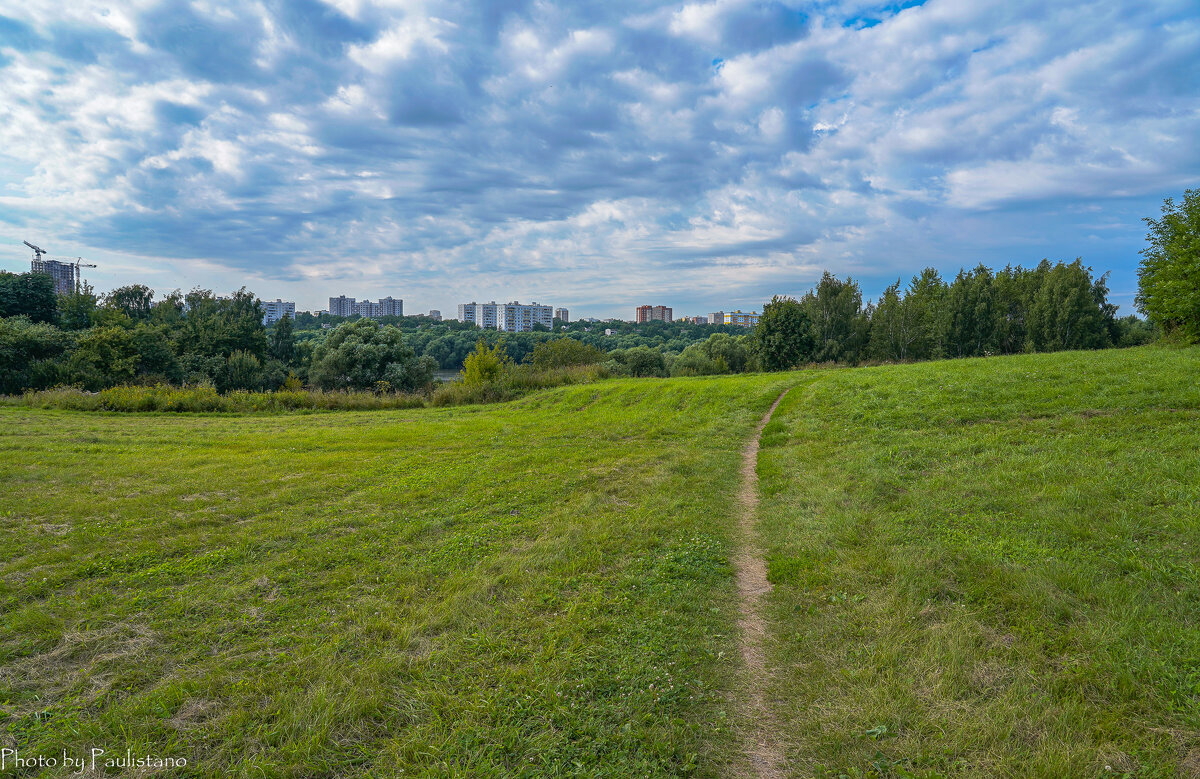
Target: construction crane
x,y
39,253
37,250
78,263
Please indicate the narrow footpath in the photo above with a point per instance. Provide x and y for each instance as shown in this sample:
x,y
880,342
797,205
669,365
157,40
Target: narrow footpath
x,y
750,571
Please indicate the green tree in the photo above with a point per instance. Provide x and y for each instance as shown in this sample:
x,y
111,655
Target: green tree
x,y
562,352
30,295
925,306
359,354
217,327
107,356
30,354
783,336
135,300
1169,276
693,361
243,371
282,342
840,327
971,313
1068,309
729,353
103,357
76,310
640,361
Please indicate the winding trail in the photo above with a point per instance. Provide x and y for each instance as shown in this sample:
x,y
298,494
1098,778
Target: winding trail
x,y
750,573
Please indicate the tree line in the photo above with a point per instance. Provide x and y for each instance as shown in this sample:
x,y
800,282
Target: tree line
x,y
199,338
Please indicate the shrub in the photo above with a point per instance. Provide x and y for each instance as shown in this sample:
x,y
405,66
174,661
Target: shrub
x,y
563,352
485,366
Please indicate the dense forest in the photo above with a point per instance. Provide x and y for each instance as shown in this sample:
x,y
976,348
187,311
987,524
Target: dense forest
x,y
198,338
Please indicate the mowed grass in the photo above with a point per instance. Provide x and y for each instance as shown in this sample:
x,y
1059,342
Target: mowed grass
x,y
539,588
988,567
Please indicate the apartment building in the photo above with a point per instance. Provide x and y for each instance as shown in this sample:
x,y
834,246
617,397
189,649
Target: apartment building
x,y
391,306
342,306
516,318
274,310
716,318
367,309
742,319
653,314
480,314
64,274
511,317
562,315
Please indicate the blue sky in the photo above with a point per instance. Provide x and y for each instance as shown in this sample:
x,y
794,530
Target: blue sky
x,y
597,156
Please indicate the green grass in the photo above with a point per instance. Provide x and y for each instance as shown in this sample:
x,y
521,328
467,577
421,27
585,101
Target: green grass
x,y
989,567
981,568
538,588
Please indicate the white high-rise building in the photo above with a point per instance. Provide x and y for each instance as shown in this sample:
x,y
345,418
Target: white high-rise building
x,y
516,318
511,317
274,310
342,306
480,314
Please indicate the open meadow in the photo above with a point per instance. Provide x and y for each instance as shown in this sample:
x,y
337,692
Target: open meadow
x,y
539,587
981,567
988,567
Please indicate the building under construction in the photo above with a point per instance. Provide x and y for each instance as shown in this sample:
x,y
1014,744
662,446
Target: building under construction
x,y
65,274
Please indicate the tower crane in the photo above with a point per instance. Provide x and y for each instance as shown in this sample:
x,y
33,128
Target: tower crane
x,y
39,253
79,263
37,250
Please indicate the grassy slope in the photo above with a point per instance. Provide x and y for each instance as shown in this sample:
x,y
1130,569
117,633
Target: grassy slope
x,y
989,567
538,587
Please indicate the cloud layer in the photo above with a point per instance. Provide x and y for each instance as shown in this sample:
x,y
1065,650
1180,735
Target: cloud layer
x,y
703,155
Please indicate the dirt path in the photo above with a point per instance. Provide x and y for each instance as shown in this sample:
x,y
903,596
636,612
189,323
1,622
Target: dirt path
x,y
750,570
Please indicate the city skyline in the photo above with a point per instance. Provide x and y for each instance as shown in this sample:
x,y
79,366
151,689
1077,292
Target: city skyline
x,y
709,154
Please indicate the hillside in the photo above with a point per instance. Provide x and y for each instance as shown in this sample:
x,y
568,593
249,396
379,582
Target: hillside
x,y
981,567
989,567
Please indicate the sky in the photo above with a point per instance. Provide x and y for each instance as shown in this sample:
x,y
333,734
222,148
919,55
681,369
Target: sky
x,y
596,156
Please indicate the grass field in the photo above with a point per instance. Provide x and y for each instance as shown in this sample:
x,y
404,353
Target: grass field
x,y
989,567
538,588
981,567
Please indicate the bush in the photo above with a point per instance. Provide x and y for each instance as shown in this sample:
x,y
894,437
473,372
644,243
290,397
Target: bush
x,y
638,361
564,352
484,366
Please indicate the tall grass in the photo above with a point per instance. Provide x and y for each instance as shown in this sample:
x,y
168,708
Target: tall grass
x,y
512,384
518,380
207,399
